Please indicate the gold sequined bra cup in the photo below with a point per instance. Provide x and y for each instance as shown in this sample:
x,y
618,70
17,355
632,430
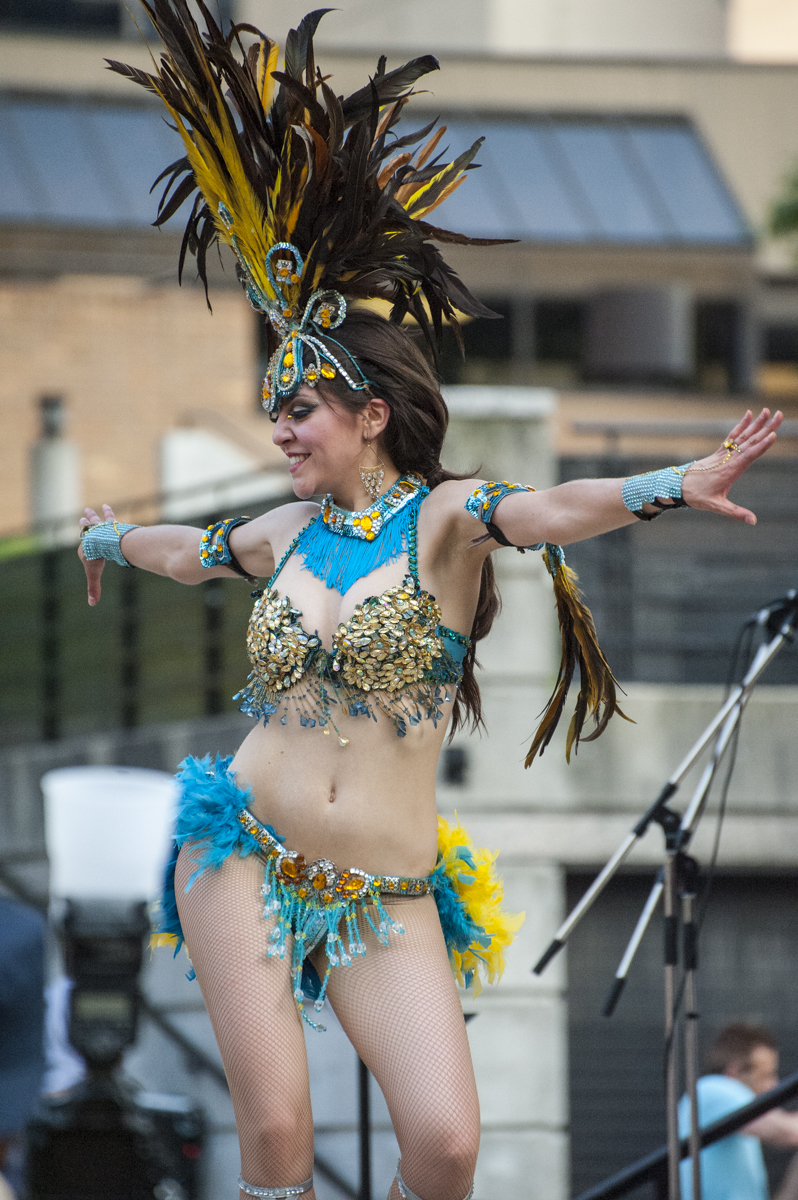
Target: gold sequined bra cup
x,y
393,655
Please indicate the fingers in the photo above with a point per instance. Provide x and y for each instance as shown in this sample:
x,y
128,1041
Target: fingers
x,y
726,509
94,567
740,427
762,425
94,570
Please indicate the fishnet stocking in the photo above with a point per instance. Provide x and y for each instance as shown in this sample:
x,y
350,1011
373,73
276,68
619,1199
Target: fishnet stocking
x,y
254,1016
398,1005
400,1009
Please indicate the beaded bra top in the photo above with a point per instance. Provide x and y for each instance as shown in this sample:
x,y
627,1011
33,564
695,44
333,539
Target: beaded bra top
x,y
393,655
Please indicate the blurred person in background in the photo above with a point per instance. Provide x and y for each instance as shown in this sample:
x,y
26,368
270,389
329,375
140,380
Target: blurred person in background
x,y
22,947
742,1063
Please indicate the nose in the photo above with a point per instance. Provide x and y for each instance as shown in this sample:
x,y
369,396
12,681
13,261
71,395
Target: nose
x,y
283,430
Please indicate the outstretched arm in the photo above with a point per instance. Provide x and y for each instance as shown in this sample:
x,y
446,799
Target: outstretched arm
x,y
174,551
583,508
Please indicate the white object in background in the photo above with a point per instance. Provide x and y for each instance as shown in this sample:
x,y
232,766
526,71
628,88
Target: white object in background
x,y
202,472
55,490
108,831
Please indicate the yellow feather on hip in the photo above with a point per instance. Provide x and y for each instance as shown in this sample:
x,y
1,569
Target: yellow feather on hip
x,y
481,892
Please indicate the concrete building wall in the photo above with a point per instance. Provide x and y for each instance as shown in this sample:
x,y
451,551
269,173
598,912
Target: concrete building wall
x,y
590,27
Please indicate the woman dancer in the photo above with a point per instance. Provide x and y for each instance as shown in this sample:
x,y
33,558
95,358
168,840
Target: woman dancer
x,y
313,864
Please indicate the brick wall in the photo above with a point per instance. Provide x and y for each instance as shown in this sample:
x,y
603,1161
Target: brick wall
x,y
131,360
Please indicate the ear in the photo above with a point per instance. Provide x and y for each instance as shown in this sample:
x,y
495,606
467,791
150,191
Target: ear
x,y
375,417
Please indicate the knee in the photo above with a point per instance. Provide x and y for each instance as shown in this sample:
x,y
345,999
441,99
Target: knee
x,y
457,1152
443,1157
271,1129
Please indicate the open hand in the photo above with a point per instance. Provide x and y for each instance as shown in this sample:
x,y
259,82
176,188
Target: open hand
x,y
94,566
708,480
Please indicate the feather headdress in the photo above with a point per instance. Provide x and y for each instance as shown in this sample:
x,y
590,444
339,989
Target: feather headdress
x,y
315,193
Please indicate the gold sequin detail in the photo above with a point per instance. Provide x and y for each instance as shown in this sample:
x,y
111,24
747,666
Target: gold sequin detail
x,y
277,645
390,641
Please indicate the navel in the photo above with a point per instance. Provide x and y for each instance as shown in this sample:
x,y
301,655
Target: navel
x,y
332,796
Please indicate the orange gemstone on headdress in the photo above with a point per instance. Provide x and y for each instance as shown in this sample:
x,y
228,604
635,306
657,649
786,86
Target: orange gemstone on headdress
x,y
295,278
328,372
312,375
288,312
289,359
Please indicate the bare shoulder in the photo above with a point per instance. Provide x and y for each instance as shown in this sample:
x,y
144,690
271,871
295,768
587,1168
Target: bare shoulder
x,y
283,522
449,521
448,499
260,542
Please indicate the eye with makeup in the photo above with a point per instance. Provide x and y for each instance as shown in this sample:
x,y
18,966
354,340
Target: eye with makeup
x,y
300,411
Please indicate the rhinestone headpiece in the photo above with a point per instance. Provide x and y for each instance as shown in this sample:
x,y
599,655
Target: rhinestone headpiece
x,y
301,357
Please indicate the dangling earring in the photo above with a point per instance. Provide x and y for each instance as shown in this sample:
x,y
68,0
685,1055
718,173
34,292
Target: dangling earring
x,y
372,476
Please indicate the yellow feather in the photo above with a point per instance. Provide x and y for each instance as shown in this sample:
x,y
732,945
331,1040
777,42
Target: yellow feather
x,y
481,892
267,62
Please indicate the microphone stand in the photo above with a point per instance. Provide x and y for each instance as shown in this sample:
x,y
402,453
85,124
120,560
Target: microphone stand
x,y
679,875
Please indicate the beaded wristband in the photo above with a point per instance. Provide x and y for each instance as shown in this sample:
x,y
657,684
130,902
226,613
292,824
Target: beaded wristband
x,y
651,487
103,541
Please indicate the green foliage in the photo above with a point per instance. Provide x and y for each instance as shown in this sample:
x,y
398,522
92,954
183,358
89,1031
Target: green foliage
x,y
783,218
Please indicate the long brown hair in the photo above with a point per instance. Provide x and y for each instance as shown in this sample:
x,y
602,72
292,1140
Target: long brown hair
x,y
399,373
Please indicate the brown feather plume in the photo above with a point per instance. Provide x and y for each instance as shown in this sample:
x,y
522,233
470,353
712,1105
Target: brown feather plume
x,y
597,687
294,162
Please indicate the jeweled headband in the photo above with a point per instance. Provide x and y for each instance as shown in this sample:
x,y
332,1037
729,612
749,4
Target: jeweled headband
x,y
301,357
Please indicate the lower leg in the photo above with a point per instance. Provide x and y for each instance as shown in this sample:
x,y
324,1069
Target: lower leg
x,y
256,1022
400,1008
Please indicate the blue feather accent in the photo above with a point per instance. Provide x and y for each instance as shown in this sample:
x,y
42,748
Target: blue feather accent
x,y
458,928
207,817
341,561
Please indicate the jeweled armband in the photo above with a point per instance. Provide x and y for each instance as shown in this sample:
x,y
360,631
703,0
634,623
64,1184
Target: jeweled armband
x,y
103,541
215,549
650,487
482,504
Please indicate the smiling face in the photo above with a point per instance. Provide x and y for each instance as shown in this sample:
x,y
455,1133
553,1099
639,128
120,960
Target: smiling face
x,y
324,443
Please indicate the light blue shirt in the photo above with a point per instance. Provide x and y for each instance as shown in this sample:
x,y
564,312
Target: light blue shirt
x,y
732,1169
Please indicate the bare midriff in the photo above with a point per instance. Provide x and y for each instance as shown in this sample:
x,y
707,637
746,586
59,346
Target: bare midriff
x,y
367,804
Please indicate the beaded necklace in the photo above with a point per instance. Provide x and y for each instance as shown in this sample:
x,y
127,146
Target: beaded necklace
x,y
341,547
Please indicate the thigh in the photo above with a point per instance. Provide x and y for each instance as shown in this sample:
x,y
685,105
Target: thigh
x,y
400,1008
254,1016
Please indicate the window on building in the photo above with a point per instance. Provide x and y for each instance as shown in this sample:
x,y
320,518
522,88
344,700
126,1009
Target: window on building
x,y
717,333
488,348
778,369
101,17
559,341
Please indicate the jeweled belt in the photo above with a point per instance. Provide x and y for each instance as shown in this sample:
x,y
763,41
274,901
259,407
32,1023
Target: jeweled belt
x,y
320,880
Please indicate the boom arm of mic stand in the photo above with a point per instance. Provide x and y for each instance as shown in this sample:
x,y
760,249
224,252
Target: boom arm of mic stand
x,y
634,941
738,694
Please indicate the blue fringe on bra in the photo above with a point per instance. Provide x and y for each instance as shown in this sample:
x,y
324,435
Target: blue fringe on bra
x,y
341,560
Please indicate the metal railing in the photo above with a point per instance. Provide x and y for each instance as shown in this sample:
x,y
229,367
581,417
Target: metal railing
x,y
653,1169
